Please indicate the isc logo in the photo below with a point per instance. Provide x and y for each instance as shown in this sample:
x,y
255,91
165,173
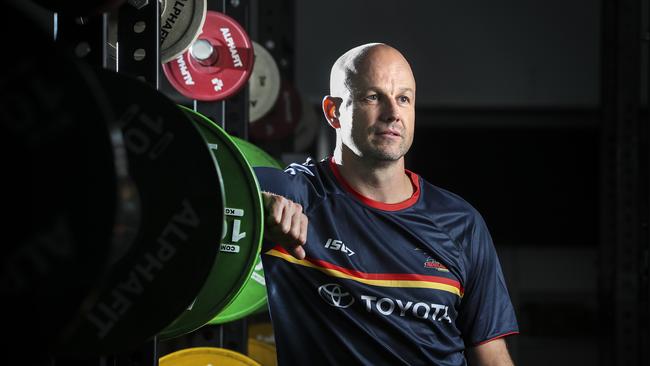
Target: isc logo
x,y
338,245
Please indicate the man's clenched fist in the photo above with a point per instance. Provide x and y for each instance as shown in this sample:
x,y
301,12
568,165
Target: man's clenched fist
x,y
285,224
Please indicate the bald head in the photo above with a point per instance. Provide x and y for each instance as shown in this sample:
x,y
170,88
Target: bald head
x,y
371,105
358,61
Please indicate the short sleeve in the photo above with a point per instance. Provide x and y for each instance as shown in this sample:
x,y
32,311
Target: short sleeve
x,y
290,183
287,183
486,311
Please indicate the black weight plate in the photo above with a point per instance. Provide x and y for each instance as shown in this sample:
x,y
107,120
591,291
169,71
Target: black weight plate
x,y
181,199
59,172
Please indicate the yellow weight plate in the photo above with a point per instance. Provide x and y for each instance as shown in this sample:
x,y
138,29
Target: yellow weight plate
x,y
205,356
262,331
262,352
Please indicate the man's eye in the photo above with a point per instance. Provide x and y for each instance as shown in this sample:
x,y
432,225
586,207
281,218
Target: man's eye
x,y
372,97
404,99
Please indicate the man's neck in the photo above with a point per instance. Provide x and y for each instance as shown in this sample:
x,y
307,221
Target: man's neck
x,y
383,181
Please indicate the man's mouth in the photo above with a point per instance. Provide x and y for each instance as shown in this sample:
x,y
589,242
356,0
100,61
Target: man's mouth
x,y
394,133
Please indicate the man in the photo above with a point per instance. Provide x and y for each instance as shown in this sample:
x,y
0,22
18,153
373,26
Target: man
x,y
367,263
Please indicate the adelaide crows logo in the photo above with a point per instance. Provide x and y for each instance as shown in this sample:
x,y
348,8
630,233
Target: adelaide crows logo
x,y
432,263
336,295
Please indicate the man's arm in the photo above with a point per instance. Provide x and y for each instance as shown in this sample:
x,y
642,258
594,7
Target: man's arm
x,y
493,353
285,223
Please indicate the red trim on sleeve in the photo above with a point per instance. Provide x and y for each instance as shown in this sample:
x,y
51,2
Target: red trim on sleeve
x,y
415,181
495,338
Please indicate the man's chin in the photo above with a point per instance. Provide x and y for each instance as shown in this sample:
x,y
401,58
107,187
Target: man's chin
x,y
385,156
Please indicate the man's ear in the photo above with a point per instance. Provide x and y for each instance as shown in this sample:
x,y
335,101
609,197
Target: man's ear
x,y
331,107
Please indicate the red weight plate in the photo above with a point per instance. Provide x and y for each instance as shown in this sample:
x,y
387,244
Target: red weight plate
x,y
282,120
217,65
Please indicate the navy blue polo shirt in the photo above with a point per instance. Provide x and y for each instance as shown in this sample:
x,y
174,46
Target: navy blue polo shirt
x,y
411,283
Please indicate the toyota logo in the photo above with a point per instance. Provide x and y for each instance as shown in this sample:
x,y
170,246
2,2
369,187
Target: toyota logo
x,y
335,295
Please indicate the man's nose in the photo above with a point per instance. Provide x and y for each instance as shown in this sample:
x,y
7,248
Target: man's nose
x,y
390,110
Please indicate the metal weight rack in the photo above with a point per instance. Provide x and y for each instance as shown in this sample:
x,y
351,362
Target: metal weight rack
x,y
137,53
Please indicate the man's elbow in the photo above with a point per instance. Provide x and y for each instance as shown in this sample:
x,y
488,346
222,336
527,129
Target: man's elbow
x,y
493,353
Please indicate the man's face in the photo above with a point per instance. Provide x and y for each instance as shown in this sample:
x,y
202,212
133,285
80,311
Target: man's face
x,y
378,115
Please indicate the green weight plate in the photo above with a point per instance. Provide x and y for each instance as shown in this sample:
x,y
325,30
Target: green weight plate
x,y
174,245
251,298
242,237
255,155
253,294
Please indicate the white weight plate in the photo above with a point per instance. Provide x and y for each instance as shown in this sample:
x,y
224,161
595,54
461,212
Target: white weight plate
x,y
264,83
181,22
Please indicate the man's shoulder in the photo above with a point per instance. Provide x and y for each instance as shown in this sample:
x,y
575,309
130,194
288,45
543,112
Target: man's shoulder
x,y
308,168
301,182
455,215
310,172
445,200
